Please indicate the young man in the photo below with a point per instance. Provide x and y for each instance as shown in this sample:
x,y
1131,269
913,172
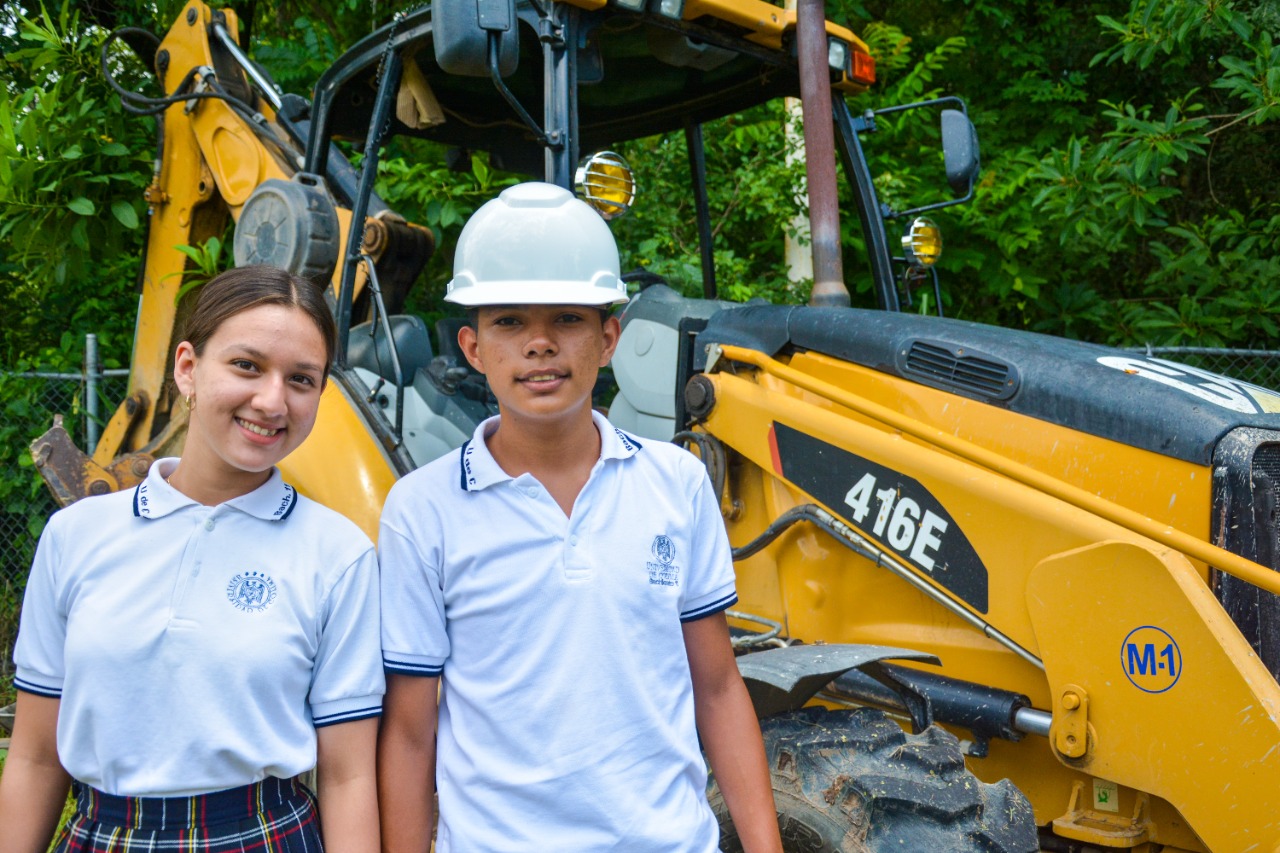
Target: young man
x,y
563,586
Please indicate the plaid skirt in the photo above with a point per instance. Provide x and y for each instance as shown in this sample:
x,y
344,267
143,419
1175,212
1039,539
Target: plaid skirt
x,y
272,816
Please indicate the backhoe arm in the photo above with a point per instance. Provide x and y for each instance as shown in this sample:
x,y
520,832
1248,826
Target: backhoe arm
x,y
214,149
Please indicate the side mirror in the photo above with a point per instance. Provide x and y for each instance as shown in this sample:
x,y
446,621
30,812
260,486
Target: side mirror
x,y
462,31
959,151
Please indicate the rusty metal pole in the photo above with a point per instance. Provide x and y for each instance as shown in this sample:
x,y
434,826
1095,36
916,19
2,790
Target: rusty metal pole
x,y
820,155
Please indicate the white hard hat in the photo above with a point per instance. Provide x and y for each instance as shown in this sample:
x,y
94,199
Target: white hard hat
x,y
536,244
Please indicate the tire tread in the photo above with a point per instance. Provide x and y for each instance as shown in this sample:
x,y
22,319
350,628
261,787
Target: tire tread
x,y
853,780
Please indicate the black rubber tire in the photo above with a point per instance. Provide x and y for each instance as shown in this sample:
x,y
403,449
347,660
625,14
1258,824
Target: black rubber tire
x,y
853,781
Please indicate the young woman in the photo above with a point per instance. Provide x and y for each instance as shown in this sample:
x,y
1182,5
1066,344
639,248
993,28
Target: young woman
x,y
189,646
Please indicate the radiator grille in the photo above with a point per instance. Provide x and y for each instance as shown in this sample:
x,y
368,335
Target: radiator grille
x,y
973,374
1246,520
1266,475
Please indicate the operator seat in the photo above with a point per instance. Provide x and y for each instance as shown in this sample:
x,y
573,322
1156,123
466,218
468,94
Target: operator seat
x,y
370,351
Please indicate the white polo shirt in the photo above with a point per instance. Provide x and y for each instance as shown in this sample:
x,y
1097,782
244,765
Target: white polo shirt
x,y
197,648
567,716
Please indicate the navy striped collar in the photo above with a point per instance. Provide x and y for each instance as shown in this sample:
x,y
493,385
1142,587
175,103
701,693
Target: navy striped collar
x,y
477,469
274,500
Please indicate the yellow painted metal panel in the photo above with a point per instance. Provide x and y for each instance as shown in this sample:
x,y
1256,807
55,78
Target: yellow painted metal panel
x,y
236,158
1170,490
823,591
355,486
180,214
765,21
1179,705
938,440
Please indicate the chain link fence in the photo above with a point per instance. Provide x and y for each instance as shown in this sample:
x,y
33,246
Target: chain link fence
x,y
1257,367
22,516
33,398
28,402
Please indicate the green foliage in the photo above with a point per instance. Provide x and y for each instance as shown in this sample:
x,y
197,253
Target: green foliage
x,y
10,607
298,57
61,158
1125,154
1158,28
753,188
1127,174
1224,270
441,197
1255,81
1111,131
24,503
71,173
207,259
1136,196
418,182
26,411
297,40
72,167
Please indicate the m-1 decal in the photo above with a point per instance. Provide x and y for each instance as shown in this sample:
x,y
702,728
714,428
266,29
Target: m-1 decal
x,y
1151,659
1218,390
886,506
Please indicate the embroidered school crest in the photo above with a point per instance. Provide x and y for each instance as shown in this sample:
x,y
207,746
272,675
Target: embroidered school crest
x,y
251,592
664,572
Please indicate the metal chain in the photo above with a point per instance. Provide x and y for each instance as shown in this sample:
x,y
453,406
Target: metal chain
x,y
396,19
386,50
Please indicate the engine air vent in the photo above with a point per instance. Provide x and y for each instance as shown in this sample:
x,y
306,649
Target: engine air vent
x,y
947,366
1266,475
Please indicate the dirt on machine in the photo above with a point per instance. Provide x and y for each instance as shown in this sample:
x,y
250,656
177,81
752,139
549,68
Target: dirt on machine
x,y
998,591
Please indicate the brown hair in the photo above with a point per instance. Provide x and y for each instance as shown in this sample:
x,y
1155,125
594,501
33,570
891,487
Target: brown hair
x,y
242,288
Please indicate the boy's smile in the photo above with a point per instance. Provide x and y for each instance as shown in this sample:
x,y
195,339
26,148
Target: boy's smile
x,y
541,360
543,380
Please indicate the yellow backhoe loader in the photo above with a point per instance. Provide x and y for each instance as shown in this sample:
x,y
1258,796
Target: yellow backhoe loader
x,y
999,591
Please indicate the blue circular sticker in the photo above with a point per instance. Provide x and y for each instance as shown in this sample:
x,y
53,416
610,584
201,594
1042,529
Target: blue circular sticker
x,y
1151,659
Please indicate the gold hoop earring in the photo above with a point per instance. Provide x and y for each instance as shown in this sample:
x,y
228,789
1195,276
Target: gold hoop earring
x,y
190,401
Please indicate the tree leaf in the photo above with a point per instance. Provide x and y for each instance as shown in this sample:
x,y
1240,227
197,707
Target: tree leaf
x,y
80,234
82,206
124,213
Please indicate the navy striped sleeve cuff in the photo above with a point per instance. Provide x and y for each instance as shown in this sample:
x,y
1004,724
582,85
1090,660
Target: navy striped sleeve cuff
x,y
37,689
401,667
347,716
708,609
